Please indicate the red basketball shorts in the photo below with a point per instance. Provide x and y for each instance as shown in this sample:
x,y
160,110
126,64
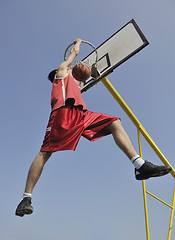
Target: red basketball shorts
x,y
67,124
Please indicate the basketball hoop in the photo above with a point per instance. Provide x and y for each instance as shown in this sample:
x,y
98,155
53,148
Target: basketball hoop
x,y
93,67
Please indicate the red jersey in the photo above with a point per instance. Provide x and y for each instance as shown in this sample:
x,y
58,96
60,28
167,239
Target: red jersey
x,y
64,88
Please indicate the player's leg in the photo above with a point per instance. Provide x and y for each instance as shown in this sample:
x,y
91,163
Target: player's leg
x,y
34,173
121,138
36,170
143,169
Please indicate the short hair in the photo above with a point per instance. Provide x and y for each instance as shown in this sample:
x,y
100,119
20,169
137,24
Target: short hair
x,y
52,75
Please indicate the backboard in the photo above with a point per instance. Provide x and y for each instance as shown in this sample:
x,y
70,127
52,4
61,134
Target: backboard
x,y
115,50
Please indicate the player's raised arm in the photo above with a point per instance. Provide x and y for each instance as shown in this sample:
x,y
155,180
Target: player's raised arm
x,y
64,66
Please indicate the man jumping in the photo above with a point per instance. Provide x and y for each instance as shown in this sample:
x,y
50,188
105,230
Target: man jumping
x,y
69,120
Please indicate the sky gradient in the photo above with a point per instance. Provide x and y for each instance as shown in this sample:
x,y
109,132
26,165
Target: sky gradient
x,y
89,194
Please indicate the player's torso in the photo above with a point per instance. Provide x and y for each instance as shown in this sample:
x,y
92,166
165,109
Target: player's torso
x,y
64,88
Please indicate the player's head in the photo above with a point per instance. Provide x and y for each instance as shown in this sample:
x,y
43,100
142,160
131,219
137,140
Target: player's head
x,y
52,75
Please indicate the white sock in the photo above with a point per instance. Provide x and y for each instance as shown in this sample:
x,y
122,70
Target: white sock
x,y
137,161
27,195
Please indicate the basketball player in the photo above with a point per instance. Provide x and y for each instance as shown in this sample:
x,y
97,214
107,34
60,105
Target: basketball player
x,y
69,120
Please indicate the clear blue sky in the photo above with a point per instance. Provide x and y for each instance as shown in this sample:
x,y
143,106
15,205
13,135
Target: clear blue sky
x,y
89,194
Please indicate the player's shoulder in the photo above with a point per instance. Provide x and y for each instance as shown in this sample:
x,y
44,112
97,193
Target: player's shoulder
x,y
62,70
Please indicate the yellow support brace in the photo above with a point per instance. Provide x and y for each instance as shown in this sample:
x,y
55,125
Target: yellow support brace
x,y
140,129
159,200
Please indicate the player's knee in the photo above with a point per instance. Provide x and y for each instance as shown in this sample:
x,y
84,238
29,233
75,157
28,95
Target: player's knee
x,y
45,155
114,125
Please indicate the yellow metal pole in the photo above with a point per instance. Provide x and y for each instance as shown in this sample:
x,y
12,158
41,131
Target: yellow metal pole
x,y
146,210
136,122
144,191
172,214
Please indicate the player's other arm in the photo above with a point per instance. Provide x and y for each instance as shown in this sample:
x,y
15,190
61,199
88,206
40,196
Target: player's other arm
x,y
64,66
